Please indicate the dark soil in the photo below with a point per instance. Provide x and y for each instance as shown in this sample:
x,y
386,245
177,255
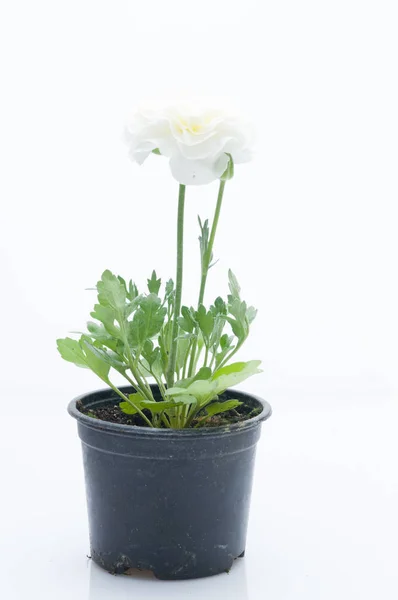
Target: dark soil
x,y
111,412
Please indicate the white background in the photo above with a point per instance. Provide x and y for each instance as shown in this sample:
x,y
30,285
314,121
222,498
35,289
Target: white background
x,y
309,227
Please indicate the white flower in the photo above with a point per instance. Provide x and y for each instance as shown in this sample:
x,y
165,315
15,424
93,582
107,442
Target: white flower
x,y
197,142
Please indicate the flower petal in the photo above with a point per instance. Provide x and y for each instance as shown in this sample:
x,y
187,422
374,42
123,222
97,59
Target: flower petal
x,y
197,172
196,141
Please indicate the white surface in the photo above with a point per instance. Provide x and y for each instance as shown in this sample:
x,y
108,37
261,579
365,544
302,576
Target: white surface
x,y
309,228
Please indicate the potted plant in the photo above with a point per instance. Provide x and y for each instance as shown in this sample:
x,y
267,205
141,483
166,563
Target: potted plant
x,y
169,457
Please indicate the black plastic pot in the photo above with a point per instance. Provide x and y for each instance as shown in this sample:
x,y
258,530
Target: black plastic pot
x,y
175,502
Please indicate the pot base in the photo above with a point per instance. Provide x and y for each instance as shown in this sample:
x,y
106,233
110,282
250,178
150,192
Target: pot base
x,y
124,566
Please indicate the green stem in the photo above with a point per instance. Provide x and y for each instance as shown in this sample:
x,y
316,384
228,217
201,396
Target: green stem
x,y
160,385
141,387
209,252
131,382
206,357
171,366
184,370
144,381
192,414
165,420
206,265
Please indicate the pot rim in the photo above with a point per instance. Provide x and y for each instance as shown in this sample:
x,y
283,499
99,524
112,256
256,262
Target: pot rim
x,y
122,429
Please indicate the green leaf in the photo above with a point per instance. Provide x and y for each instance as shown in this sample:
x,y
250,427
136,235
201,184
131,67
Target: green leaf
x,y
182,349
187,320
157,366
229,171
154,284
153,358
71,351
235,373
158,407
106,316
133,291
130,307
89,413
135,402
163,345
251,314
156,151
98,331
83,354
204,243
233,285
187,399
238,329
219,311
147,351
205,321
226,342
206,390
237,308
153,407
215,408
111,291
219,324
226,346
103,337
127,408
123,282
240,324
109,357
237,367
219,307
202,390
95,359
203,374
147,321
169,291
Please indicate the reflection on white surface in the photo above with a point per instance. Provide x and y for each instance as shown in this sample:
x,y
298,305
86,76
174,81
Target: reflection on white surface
x,y
232,585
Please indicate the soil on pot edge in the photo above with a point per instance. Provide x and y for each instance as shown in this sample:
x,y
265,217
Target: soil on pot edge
x,y
112,413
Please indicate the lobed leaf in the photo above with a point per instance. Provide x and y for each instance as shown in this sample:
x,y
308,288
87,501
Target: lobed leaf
x,y
235,373
111,291
83,354
187,321
226,347
95,359
205,321
136,401
154,283
204,243
202,390
147,321
71,351
219,307
106,315
251,314
233,285
133,291
133,405
202,374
